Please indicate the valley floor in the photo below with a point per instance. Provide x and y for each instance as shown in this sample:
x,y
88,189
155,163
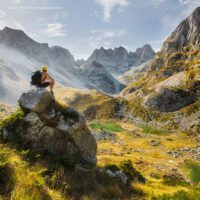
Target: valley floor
x,y
168,160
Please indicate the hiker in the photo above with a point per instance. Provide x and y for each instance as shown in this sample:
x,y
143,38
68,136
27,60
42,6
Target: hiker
x,y
41,79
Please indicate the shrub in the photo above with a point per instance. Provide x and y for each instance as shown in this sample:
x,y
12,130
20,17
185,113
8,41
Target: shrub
x,y
131,172
12,119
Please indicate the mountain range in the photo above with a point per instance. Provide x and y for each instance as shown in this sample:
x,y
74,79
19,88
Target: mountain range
x,y
20,56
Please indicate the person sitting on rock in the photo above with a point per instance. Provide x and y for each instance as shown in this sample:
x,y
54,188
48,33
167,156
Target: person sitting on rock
x,y
41,79
47,80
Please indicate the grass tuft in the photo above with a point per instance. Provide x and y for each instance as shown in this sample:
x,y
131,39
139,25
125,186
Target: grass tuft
x,y
107,127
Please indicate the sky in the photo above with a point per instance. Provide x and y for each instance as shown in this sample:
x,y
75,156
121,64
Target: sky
x,y
84,25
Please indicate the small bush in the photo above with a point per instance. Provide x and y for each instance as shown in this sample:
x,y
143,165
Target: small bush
x,y
12,119
131,172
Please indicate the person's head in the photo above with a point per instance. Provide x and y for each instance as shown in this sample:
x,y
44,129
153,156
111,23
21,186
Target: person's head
x,y
44,68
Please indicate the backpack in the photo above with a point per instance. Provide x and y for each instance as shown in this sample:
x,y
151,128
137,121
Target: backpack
x,y
36,78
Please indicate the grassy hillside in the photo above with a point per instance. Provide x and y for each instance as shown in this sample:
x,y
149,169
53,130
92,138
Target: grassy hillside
x,y
92,104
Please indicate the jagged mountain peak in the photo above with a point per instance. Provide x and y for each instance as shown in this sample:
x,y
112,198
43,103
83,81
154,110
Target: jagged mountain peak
x,y
119,60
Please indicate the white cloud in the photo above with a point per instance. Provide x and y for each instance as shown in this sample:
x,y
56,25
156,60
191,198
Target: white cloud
x,y
102,34
54,30
17,1
108,6
103,37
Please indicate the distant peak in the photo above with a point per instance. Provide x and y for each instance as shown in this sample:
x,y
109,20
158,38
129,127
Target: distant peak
x,y
146,47
8,29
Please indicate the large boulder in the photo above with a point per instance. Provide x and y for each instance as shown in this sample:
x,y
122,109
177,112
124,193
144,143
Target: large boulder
x,y
50,128
36,101
169,99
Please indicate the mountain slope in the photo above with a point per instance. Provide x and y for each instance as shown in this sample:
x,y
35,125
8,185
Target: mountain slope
x,y
169,94
99,77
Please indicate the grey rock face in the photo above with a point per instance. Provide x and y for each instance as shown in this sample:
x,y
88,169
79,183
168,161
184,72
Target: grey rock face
x,y
170,99
187,33
47,127
119,60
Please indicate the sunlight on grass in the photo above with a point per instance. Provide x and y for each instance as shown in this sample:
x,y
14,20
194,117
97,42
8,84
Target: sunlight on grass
x,y
107,127
154,131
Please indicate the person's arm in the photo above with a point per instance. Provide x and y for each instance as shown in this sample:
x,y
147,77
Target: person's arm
x,y
50,78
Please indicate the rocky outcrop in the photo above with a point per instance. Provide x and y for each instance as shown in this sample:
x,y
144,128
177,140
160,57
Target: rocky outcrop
x,y
170,99
49,128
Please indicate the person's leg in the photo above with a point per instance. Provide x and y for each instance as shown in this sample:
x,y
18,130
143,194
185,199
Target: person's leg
x,y
52,83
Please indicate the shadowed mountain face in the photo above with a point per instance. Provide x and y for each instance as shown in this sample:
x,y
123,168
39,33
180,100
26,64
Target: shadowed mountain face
x,y
100,77
119,60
